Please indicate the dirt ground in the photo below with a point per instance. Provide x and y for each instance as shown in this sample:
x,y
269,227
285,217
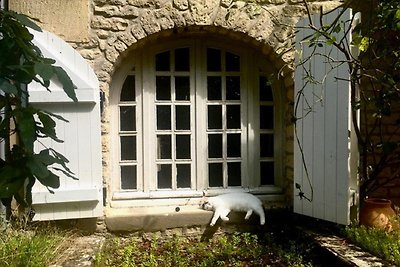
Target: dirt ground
x,y
80,252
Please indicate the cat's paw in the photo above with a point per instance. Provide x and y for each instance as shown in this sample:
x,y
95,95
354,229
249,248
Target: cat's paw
x,y
212,223
225,219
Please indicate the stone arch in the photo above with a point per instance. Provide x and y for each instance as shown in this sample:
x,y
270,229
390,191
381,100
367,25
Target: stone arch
x,y
156,23
250,25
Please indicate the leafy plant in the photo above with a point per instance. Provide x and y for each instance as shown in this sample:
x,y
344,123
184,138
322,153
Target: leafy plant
x,y
377,241
21,125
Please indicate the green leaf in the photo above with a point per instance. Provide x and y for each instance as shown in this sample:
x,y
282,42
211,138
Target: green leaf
x,y
45,71
37,167
27,21
11,180
67,83
45,157
26,128
364,44
337,28
7,87
9,189
8,173
331,40
50,180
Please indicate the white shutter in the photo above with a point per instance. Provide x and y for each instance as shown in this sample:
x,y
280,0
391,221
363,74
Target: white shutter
x,y
324,132
80,198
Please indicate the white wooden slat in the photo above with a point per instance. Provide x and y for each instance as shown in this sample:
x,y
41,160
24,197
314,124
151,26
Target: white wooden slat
x,y
77,68
62,211
81,198
76,195
323,133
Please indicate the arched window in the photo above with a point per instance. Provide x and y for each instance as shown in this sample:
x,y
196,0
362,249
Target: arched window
x,y
194,116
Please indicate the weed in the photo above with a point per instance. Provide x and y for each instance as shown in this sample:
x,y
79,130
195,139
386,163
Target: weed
x,y
30,247
238,249
378,242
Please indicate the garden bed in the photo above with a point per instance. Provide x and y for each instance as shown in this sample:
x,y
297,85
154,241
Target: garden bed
x,y
286,240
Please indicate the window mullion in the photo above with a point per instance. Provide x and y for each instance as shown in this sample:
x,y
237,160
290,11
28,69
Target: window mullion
x,y
149,134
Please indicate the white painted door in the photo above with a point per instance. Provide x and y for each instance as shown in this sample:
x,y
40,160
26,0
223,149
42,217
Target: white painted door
x,y
80,198
325,160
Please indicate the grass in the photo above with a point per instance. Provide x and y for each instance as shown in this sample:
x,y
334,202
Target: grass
x,y
378,242
31,247
281,244
237,249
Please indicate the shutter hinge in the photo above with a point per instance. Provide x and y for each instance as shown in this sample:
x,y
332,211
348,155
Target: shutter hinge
x,y
354,195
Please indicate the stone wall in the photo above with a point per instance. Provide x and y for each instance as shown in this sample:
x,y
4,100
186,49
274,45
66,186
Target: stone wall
x,y
119,26
68,19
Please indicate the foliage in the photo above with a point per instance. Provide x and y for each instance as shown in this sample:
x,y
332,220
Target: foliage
x,y
374,79
378,242
21,63
238,249
31,247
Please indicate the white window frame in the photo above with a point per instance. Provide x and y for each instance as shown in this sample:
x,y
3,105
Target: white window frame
x,y
146,161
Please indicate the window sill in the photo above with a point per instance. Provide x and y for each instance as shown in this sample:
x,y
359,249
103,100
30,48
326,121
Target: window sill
x,y
190,194
161,214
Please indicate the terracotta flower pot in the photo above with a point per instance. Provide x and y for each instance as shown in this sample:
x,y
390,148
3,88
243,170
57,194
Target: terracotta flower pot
x,y
376,212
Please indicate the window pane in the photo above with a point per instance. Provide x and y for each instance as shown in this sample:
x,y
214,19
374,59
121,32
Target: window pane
x,y
233,88
182,114
232,62
128,147
213,59
266,145
162,61
233,145
163,88
164,176
183,175
163,117
215,175
214,88
182,88
266,117
164,147
265,89
128,89
127,118
234,174
182,59
215,146
233,116
267,173
183,146
214,117
128,177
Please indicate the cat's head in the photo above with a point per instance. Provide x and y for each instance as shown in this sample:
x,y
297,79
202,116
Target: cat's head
x,y
206,204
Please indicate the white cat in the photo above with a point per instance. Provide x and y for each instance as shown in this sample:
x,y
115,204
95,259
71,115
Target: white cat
x,y
223,204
